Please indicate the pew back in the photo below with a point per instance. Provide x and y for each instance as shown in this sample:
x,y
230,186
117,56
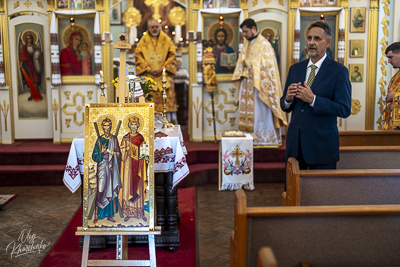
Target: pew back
x,y
369,138
320,236
340,187
369,157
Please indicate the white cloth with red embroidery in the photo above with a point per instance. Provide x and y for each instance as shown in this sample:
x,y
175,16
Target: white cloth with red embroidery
x,y
237,163
169,156
74,169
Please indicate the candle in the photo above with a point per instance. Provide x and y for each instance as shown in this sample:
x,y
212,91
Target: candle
x,y
101,76
164,76
136,40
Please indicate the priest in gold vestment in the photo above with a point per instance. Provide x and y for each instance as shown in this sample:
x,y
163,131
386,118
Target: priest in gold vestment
x,y
257,76
154,53
392,110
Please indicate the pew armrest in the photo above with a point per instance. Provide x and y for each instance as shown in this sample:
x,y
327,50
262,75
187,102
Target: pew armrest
x,y
266,258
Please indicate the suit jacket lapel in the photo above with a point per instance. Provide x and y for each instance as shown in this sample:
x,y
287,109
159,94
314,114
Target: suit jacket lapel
x,y
302,72
321,73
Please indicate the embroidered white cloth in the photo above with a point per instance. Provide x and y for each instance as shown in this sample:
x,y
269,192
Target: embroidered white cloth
x,y
169,156
169,153
237,163
74,169
181,76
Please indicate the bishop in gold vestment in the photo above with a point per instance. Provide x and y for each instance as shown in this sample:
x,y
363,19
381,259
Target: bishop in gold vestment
x,y
154,52
257,76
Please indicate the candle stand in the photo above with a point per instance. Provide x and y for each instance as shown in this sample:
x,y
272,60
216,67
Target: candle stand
x,y
166,124
102,95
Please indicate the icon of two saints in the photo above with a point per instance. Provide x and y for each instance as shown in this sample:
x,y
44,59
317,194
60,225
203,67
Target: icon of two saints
x,y
121,177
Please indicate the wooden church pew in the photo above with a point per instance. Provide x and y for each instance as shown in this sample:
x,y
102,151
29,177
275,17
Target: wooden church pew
x,y
340,187
316,235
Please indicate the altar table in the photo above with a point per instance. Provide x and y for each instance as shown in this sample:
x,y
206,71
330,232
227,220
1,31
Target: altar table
x,y
170,168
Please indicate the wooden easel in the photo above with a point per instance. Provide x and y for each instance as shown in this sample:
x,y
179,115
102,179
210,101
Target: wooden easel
x,y
121,248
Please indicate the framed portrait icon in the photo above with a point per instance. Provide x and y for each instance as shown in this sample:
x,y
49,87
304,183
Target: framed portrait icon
x,y
356,48
116,14
357,19
226,42
76,44
356,72
119,167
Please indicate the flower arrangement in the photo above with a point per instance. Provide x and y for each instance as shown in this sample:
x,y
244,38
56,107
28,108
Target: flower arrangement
x,y
146,83
231,168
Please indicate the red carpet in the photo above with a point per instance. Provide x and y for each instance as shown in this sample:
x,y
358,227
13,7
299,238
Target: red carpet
x,y
66,251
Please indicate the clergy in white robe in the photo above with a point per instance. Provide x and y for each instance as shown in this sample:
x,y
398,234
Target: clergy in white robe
x,y
257,76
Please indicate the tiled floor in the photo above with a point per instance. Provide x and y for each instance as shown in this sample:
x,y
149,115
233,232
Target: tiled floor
x,y
46,211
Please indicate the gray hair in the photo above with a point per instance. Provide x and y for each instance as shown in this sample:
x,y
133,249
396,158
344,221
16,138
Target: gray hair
x,y
322,25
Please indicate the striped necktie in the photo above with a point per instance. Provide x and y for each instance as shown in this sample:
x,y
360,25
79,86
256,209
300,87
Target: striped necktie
x,y
312,75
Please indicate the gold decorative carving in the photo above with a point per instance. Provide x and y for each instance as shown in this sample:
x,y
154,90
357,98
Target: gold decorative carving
x,y
16,4
90,94
50,5
232,90
177,16
255,2
78,109
55,109
197,108
156,4
68,122
28,3
209,119
374,4
221,106
5,109
40,4
355,106
281,3
99,5
132,17
294,4
232,121
67,93
383,64
267,1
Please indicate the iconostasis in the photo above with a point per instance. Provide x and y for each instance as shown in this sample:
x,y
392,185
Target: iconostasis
x,y
44,85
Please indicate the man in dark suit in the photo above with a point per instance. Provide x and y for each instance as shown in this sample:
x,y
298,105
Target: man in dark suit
x,y
313,136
